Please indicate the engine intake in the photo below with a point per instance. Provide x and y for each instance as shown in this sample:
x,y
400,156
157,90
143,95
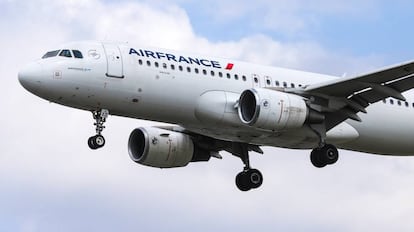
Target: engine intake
x,y
163,148
272,110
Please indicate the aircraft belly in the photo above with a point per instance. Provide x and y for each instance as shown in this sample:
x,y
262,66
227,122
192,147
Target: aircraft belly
x,y
380,132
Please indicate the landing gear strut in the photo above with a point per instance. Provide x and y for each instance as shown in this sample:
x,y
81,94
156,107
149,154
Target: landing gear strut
x,y
98,141
325,154
249,178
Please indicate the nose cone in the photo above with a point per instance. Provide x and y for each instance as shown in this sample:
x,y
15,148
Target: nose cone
x,y
30,77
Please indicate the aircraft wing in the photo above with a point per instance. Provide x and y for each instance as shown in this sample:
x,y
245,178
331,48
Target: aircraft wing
x,y
342,98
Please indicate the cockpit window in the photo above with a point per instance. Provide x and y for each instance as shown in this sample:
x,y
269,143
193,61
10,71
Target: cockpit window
x,y
50,54
77,54
65,53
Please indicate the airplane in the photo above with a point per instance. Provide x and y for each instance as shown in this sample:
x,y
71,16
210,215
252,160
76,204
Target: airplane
x,y
213,105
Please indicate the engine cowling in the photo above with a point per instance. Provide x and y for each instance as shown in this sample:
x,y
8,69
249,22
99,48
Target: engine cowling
x,y
272,110
161,148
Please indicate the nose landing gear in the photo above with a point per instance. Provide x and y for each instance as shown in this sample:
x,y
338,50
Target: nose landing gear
x,y
98,141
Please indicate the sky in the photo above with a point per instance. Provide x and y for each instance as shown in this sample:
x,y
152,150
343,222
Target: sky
x,y
51,181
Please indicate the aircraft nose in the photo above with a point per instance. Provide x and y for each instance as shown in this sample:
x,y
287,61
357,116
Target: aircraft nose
x,y
30,76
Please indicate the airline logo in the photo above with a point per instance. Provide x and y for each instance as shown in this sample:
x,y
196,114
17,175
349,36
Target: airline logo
x,y
179,59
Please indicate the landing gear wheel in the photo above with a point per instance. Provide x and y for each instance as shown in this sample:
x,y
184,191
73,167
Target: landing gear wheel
x,y
91,144
330,154
315,158
242,182
99,140
326,155
255,178
96,142
249,179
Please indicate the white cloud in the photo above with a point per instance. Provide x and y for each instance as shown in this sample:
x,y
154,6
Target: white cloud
x,y
48,174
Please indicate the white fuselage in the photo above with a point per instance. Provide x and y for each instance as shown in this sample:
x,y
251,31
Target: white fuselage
x,y
200,94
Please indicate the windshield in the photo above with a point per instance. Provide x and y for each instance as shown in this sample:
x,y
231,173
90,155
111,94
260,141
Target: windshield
x,y
50,54
65,53
77,54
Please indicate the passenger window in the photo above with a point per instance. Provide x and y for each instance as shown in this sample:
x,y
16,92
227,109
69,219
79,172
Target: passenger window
x,y
256,80
204,72
244,78
399,103
156,64
180,68
164,65
196,70
406,104
292,85
188,69
65,53
50,54
277,83
392,102
236,76
148,63
385,101
212,73
268,82
220,74
77,54
140,62
228,75
284,84
172,67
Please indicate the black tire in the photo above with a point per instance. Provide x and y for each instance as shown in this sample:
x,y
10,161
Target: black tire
x,y
255,178
316,158
242,182
99,141
91,143
330,154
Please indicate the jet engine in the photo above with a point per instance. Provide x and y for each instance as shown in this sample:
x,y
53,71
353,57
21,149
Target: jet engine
x,y
273,110
161,148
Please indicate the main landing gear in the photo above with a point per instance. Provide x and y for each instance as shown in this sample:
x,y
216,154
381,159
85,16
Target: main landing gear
x,y
249,178
98,141
324,154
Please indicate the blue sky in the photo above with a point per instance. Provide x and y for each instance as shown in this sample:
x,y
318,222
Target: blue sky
x,y
51,181
368,27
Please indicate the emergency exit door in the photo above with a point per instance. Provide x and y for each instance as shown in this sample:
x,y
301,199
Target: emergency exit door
x,y
114,61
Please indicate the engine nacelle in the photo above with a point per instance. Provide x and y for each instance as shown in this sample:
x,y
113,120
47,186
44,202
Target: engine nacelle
x,y
163,148
272,110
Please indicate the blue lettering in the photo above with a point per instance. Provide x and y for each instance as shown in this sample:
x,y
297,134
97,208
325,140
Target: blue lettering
x,y
160,54
178,59
192,61
132,51
149,53
215,64
205,62
183,59
170,57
